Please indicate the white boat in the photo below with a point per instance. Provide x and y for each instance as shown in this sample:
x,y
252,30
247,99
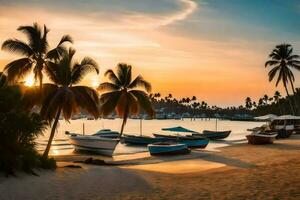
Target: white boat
x,y
96,144
258,137
107,133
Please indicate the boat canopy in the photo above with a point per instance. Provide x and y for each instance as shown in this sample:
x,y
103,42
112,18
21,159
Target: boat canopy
x,y
178,129
268,117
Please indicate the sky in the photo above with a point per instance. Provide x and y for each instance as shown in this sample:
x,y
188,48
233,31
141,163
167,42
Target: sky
x,y
213,49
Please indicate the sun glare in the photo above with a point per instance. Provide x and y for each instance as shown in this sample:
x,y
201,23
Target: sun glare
x,y
94,82
29,80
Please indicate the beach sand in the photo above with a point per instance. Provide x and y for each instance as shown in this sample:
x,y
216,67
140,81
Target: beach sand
x,y
239,171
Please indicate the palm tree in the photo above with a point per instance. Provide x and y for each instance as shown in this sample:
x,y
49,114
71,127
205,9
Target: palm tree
x,y
194,98
248,103
277,97
64,96
283,60
260,102
36,53
122,94
265,99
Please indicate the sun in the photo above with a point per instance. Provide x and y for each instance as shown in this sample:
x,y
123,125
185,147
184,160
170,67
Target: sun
x,y
29,81
94,82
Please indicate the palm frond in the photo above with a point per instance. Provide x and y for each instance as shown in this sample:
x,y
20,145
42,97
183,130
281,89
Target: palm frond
x,y
134,106
87,99
140,82
272,73
33,34
144,101
69,104
51,69
290,76
124,73
108,102
271,63
18,69
80,70
293,57
63,70
108,87
112,77
56,53
65,38
280,78
44,40
17,46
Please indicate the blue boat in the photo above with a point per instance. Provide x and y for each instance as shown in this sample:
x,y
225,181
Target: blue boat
x,y
190,141
141,140
213,135
167,148
179,129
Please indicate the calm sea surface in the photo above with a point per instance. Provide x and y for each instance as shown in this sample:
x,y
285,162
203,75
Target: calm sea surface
x,y
60,145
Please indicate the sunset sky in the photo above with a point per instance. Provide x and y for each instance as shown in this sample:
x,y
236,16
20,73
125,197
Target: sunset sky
x,y
213,49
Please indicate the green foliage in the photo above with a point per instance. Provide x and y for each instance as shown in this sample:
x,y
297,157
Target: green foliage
x,y
19,130
47,163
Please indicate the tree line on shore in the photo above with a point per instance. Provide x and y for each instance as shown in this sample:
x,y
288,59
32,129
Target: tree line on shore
x,y
282,63
275,104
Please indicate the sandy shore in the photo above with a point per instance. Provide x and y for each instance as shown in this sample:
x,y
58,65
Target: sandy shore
x,y
240,171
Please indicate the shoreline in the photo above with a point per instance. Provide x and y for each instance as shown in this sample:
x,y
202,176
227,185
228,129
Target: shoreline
x,y
238,171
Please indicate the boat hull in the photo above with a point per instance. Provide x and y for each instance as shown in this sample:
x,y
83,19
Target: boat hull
x,y
260,139
141,140
215,135
190,141
174,149
95,144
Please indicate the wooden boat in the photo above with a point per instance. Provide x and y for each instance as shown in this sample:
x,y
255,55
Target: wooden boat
x,y
168,148
261,138
107,133
95,144
190,141
213,135
141,140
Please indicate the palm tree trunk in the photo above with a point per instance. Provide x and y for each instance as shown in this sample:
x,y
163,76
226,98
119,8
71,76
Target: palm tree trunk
x,y
289,100
125,116
41,84
45,155
39,74
295,98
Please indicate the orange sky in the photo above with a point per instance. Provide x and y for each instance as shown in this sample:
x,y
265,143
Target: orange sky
x,y
172,47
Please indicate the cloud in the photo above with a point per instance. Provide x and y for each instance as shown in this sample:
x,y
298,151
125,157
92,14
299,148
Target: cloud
x,y
150,21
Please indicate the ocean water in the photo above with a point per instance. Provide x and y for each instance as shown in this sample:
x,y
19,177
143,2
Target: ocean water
x,y
61,146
